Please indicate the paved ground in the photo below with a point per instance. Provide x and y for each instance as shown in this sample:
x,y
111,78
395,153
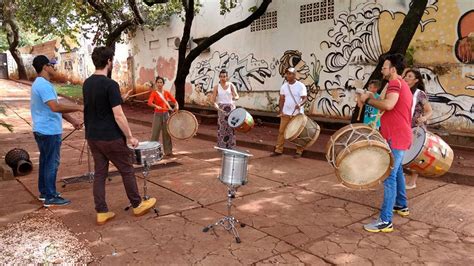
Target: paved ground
x,y
295,210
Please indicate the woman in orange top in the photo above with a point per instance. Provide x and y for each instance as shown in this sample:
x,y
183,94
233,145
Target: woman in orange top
x,y
159,99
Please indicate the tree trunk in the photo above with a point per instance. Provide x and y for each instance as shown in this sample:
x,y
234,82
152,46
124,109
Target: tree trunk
x,y
184,62
404,35
400,44
182,72
19,62
13,37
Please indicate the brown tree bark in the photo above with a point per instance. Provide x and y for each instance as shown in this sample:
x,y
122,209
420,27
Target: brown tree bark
x,y
13,36
184,62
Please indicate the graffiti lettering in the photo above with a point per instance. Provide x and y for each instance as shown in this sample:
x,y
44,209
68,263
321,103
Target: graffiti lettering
x,y
241,71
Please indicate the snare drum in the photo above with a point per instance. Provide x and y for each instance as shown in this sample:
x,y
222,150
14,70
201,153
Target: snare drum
x,y
147,152
182,125
428,155
302,131
241,120
360,156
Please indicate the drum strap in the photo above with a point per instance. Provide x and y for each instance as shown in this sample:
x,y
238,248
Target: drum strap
x,y
292,96
164,100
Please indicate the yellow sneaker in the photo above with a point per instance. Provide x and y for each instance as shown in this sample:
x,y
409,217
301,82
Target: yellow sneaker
x,y
103,217
144,207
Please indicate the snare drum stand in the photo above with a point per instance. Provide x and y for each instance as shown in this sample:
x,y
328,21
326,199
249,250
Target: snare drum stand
x,y
146,171
229,221
87,177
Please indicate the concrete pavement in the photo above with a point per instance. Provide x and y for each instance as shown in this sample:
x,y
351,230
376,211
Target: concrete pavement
x,y
295,211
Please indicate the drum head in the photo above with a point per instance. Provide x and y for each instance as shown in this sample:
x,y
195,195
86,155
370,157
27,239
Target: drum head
x,y
145,145
295,126
182,125
419,137
364,166
237,117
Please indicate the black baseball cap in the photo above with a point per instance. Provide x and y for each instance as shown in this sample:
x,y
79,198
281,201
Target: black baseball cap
x,y
40,61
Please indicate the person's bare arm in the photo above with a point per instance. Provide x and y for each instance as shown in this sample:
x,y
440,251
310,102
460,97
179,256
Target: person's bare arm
x,y
74,122
427,113
234,92
214,98
63,108
386,104
122,122
303,100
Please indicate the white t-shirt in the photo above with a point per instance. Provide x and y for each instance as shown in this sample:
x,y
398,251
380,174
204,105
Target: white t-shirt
x,y
298,90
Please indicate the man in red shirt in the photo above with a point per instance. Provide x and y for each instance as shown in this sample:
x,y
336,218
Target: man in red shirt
x,y
396,129
159,100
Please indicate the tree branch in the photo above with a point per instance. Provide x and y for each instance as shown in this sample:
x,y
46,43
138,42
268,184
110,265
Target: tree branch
x,y
115,34
136,11
100,9
206,43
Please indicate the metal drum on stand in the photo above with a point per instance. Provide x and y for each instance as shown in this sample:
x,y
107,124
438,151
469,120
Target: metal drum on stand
x,y
234,167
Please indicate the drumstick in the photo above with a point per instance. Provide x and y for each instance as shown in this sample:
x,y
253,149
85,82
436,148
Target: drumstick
x,y
138,94
71,133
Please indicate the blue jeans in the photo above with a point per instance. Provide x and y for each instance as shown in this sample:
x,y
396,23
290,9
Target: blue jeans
x,y
49,147
394,188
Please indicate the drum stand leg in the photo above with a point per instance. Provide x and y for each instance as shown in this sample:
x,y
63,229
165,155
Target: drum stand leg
x,y
87,177
146,171
229,221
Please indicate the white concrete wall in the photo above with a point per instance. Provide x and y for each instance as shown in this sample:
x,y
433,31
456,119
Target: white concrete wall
x,y
329,55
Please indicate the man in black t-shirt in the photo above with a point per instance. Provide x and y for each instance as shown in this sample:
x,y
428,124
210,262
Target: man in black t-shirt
x,y
108,133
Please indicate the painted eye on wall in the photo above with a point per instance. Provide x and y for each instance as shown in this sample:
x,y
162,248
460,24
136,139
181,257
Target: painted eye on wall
x,y
294,60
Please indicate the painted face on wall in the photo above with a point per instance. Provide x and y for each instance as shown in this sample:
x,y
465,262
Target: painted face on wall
x,y
465,43
292,58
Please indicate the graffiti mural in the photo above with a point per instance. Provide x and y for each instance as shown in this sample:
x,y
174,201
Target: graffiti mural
x,y
354,36
310,78
465,44
446,105
338,97
241,71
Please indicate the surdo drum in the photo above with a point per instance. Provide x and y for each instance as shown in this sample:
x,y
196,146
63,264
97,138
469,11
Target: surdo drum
x,y
302,131
360,156
428,155
182,125
241,120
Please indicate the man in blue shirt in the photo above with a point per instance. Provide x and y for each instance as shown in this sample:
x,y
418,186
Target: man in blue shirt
x,y
47,114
